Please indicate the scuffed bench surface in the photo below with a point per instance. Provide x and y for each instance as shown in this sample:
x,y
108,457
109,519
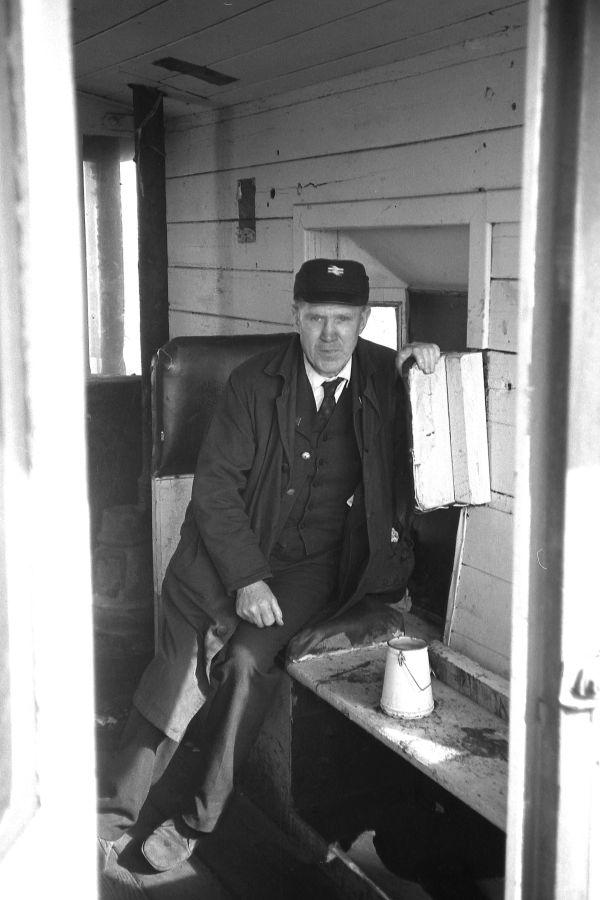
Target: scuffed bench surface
x,y
460,745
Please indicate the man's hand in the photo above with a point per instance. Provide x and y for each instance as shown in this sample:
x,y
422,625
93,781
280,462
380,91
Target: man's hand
x,y
426,356
256,603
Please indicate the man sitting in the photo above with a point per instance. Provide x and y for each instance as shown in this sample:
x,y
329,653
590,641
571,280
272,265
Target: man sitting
x,y
300,508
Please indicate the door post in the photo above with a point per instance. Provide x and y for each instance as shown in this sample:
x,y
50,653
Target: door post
x,y
554,738
152,230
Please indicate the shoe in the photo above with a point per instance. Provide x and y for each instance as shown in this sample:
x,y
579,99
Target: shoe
x,y
106,849
170,844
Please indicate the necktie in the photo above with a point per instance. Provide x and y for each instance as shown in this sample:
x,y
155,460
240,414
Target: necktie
x,y
328,404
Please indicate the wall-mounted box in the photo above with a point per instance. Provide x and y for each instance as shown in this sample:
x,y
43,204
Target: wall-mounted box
x,y
449,433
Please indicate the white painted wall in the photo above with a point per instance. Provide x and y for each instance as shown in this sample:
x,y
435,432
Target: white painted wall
x,y
479,621
447,122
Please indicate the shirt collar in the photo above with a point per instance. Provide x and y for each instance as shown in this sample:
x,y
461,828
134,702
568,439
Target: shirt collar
x,y
317,380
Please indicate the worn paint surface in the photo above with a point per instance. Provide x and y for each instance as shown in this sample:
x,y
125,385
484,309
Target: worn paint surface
x,y
461,746
484,687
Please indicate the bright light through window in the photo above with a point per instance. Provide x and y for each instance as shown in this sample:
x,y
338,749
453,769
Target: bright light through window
x,y
382,327
111,237
131,343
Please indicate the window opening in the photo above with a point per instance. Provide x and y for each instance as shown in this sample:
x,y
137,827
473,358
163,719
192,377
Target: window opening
x,y
382,327
110,200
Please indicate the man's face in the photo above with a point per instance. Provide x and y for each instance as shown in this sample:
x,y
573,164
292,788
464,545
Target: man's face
x,y
328,333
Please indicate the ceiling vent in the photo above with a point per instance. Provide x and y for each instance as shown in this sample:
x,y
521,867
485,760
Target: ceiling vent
x,y
188,68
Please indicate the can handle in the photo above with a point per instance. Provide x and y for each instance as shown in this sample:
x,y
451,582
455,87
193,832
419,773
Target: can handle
x,y
402,662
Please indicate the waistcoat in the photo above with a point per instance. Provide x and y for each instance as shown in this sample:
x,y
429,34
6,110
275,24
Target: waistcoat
x,y
326,470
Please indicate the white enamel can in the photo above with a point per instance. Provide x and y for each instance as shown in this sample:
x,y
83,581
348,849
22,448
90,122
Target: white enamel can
x,y
407,680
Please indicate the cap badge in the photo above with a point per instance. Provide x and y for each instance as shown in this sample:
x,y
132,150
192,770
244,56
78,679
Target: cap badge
x,y
335,270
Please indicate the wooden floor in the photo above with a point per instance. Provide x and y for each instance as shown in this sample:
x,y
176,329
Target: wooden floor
x,y
249,858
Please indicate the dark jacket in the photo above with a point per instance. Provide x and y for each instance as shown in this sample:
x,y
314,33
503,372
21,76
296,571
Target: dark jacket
x,y
240,501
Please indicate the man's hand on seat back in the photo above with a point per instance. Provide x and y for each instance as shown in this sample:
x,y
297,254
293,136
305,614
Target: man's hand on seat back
x,y
256,603
426,356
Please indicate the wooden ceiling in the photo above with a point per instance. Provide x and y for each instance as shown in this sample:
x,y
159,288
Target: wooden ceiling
x,y
269,46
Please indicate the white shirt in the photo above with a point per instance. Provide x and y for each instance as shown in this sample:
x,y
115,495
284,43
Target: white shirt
x,y
316,381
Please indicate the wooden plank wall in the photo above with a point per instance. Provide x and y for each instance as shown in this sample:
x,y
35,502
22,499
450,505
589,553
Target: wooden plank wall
x,y
445,122
479,623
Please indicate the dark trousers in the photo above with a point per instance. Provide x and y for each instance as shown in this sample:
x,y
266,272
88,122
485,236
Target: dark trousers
x,y
244,680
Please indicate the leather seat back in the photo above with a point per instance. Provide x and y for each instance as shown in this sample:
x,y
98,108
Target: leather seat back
x,y
188,374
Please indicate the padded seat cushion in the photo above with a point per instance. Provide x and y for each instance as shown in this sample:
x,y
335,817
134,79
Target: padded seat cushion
x,y
188,374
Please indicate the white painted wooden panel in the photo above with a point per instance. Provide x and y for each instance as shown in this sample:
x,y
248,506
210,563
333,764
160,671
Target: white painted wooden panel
x,y
273,49
170,497
319,243
247,45
472,97
505,250
432,455
206,244
162,24
468,433
501,387
469,678
340,45
502,502
493,40
488,541
94,17
204,31
379,294
451,165
251,294
183,322
501,411
478,620
255,295
501,440
450,452
480,626
504,311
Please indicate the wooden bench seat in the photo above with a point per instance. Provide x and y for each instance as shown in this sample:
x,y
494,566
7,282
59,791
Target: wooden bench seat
x,y
462,746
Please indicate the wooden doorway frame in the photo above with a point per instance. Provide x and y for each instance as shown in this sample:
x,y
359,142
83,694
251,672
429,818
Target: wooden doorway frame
x,y
47,828
554,790
315,226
